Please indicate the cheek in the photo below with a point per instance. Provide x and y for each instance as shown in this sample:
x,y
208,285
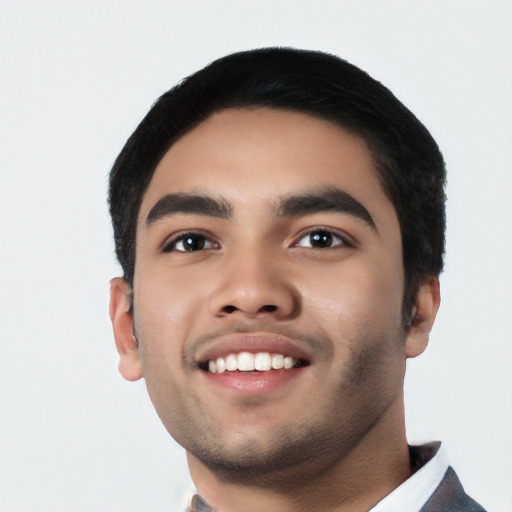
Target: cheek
x,y
357,296
163,315
163,304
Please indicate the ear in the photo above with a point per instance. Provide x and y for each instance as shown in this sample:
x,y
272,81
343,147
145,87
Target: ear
x,y
423,316
122,323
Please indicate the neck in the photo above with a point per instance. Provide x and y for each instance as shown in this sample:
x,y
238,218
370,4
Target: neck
x,y
367,473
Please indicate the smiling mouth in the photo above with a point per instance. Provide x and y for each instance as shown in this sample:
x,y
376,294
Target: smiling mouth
x,y
250,362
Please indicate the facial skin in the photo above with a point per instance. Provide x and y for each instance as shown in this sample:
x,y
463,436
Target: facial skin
x,y
319,278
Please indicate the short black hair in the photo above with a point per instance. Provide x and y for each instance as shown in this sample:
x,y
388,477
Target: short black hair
x,y
407,159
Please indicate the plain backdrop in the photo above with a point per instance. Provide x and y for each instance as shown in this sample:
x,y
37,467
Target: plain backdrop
x,y
76,77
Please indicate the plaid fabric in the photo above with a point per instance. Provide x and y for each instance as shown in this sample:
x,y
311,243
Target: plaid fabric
x,y
199,504
450,497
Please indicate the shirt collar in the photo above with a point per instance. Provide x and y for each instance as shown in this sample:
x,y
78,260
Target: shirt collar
x,y
432,461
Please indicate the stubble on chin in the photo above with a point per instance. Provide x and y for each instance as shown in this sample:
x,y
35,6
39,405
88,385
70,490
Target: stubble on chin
x,y
313,444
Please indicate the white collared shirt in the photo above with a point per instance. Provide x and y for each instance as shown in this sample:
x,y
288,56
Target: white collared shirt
x,y
412,495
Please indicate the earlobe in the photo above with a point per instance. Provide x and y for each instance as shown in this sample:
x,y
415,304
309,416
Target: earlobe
x,y
122,324
423,317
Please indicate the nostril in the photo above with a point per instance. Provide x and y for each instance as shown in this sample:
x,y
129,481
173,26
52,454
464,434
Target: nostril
x,y
268,308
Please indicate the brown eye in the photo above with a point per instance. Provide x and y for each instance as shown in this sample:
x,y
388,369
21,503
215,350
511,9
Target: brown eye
x,y
320,239
190,242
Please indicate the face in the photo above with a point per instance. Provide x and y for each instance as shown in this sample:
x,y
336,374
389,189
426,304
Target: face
x,y
265,244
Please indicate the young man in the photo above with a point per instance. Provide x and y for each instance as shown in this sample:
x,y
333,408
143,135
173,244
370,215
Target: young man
x,y
279,217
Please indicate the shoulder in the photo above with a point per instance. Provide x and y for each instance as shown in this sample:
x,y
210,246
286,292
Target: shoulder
x,y
450,497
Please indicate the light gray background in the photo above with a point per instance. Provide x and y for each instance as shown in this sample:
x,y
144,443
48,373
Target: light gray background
x,y
75,79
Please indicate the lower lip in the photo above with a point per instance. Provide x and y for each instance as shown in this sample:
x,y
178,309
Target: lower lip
x,y
253,382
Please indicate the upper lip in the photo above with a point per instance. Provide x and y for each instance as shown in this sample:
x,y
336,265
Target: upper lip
x,y
252,342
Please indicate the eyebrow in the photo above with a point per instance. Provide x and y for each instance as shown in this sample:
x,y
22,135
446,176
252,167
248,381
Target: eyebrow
x,y
325,199
172,204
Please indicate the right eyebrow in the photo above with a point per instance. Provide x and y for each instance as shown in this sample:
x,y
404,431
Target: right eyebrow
x,y
172,204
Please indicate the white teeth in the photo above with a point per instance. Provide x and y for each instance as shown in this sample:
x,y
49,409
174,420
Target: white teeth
x,y
221,365
248,362
262,361
231,363
277,361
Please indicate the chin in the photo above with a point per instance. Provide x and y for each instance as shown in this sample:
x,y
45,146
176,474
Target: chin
x,y
265,463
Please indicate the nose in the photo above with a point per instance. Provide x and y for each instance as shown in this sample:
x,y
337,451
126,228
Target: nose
x,y
254,286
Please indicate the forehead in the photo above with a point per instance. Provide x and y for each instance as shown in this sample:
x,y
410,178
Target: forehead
x,y
258,155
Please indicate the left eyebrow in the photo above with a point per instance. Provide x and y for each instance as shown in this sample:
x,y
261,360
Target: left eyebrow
x,y
325,199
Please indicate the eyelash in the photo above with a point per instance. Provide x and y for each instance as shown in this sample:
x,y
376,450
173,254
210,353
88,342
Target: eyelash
x,y
337,238
335,235
170,245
